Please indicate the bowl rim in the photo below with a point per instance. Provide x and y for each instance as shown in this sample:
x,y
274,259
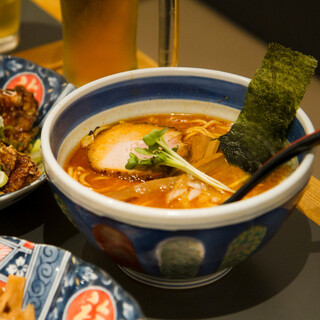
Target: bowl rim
x,y
170,219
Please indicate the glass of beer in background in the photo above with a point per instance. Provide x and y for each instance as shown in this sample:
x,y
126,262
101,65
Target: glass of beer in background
x,y
99,37
9,24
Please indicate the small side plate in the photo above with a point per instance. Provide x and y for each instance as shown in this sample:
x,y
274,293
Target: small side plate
x,y
48,87
61,286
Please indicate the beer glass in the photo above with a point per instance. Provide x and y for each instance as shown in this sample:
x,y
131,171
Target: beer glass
x,y
99,37
9,24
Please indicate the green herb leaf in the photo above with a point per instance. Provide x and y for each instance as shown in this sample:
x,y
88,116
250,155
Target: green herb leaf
x,y
132,161
151,138
146,162
143,151
162,154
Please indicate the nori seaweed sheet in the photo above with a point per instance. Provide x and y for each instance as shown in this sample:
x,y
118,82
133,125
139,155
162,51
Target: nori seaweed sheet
x,y
270,106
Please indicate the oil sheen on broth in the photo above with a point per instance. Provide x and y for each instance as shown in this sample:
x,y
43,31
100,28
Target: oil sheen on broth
x,y
98,162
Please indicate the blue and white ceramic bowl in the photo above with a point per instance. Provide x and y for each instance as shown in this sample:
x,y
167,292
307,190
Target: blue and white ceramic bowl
x,y
47,87
165,247
61,286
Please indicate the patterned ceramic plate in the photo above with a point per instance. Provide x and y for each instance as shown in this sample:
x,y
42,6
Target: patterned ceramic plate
x,y
63,287
47,86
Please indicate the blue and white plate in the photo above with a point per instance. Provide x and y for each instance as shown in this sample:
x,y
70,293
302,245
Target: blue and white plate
x,y
61,286
48,87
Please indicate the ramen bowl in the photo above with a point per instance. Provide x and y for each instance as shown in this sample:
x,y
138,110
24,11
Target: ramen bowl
x,y
168,248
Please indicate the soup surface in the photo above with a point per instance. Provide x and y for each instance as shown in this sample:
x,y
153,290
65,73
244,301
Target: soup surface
x,y
98,162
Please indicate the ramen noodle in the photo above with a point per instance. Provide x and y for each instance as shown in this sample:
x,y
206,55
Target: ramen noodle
x,y
98,162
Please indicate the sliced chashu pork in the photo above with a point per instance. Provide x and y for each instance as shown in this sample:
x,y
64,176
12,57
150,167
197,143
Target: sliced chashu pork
x,y
110,150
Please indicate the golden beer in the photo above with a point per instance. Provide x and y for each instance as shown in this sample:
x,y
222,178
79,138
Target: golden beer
x,y
99,38
9,24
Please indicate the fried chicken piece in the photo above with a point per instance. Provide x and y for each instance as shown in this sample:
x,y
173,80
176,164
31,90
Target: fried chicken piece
x,y
8,158
19,110
20,169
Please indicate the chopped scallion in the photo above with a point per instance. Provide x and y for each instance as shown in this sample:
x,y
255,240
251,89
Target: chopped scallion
x,y
161,154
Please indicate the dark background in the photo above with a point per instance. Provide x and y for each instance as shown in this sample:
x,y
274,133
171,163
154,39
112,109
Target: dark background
x,y
293,23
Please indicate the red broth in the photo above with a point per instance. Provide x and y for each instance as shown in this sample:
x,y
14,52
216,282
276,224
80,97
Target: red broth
x,y
173,189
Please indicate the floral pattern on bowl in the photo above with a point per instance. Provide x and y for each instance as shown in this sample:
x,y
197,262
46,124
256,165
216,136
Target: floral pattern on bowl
x,y
61,286
48,87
